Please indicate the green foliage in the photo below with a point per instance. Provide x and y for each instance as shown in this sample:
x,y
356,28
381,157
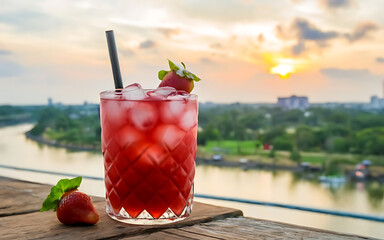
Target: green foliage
x,y
332,166
68,125
304,138
272,153
210,132
370,141
337,130
233,147
10,115
316,129
282,143
295,155
273,133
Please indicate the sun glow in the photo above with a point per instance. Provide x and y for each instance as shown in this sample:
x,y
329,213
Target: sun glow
x,y
284,67
283,70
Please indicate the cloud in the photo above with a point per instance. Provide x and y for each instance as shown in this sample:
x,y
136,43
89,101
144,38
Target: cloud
x,y
4,52
305,34
216,45
357,74
380,59
147,44
361,31
336,4
308,31
261,38
28,20
168,32
228,11
9,68
206,60
127,52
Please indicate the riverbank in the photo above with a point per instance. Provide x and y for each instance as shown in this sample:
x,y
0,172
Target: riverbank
x,y
199,161
54,143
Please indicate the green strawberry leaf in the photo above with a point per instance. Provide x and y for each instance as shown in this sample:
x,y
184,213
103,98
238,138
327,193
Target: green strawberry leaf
x,y
181,72
162,74
195,78
62,186
172,66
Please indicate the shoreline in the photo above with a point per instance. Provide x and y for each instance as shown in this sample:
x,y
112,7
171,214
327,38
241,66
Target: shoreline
x,y
54,143
250,165
199,161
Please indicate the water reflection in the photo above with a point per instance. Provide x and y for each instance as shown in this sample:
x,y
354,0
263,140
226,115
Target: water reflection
x,y
375,193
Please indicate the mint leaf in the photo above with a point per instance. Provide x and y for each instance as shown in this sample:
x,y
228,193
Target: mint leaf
x,y
62,186
69,184
162,74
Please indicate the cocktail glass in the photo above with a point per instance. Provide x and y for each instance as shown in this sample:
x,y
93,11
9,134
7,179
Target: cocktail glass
x,y
149,147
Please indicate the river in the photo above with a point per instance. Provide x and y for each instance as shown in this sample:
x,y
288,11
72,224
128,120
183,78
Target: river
x,y
279,186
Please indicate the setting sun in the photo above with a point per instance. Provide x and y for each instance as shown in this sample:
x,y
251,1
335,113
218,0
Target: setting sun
x,y
284,67
283,70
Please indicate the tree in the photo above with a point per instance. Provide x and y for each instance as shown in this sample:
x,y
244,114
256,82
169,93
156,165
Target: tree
x,y
272,153
273,133
370,141
282,143
295,155
304,138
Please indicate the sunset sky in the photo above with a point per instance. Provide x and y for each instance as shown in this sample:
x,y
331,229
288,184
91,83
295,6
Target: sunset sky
x,y
243,50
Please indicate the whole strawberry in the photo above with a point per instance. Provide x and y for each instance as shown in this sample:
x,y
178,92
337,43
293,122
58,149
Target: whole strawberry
x,y
178,77
71,206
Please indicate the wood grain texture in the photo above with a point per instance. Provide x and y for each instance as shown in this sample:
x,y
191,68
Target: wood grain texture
x,y
20,217
241,228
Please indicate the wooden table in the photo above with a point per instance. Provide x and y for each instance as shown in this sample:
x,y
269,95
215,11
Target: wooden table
x,y
20,218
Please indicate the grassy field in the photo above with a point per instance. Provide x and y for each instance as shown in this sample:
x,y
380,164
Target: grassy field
x,y
233,151
232,147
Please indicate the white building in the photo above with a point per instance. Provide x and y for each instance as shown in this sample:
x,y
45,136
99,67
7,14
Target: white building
x,y
293,102
377,102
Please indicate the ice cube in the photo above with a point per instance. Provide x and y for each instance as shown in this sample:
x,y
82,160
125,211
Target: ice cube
x,y
144,115
162,92
114,113
133,92
169,135
189,118
171,111
127,135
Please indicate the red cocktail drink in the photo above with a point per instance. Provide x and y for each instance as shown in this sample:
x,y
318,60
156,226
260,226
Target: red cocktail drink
x,y
149,147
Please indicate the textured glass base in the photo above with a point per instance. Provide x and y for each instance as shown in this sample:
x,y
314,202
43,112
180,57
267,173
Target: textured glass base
x,y
144,218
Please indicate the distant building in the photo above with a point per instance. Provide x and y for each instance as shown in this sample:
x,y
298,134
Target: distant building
x,y
376,102
293,102
50,103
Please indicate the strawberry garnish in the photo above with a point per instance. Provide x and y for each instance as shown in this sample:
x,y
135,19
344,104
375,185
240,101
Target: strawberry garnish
x,y
178,77
71,206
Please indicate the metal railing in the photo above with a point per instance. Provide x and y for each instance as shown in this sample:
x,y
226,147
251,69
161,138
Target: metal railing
x,y
238,200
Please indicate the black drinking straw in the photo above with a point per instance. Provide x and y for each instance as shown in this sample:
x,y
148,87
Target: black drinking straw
x,y
114,60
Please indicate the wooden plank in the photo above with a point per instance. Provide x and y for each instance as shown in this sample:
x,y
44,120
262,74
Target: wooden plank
x,y
44,225
20,197
20,219
249,228
173,234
